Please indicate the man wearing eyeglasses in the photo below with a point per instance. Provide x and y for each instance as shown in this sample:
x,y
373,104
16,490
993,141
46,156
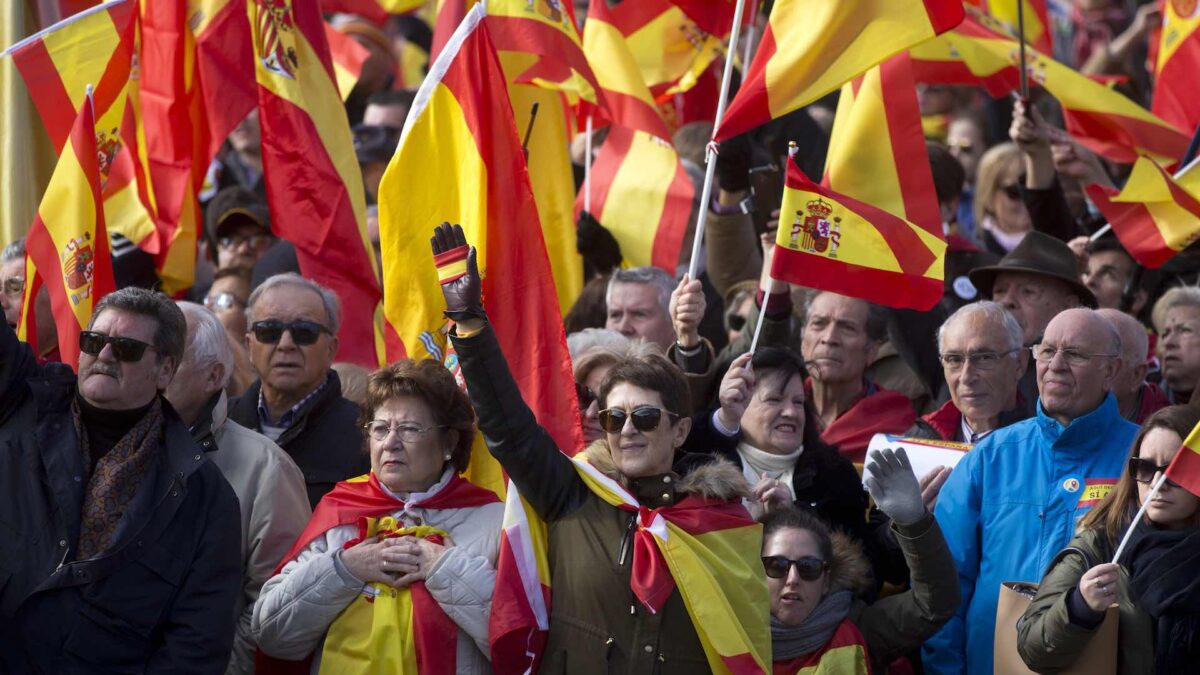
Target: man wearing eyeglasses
x,y
1013,502
121,538
12,281
297,400
239,226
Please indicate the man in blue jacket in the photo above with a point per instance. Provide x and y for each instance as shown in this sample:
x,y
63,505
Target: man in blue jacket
x,y
1013,502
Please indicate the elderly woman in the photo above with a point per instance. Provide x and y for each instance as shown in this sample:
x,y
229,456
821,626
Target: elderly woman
x,y
409,549
626,537
1155,584
817,577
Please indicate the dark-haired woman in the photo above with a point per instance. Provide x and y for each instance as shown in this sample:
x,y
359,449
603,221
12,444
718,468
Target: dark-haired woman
x,y
1154,586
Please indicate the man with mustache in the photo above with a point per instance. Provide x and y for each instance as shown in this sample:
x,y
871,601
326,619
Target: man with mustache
x,y
1013,501
120,536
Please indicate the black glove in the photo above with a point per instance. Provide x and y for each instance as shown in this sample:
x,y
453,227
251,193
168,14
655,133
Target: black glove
x,y
458,273
600,250
733,163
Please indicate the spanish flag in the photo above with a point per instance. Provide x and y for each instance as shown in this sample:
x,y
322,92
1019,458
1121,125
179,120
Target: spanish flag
x,y
67,242
1039,34
877,150
1185,468
642,195
1154,216
811,47
715,17
629,101
941,60
833,242
219,33
348,59
460,160
545,28
1175,97
670,49
314,184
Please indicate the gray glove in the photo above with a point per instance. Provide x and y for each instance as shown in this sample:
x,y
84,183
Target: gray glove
x,y
894,486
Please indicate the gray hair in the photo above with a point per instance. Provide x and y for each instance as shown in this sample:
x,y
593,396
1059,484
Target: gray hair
x,y
877,315
1135,343
993,311
13,251
170,334
329,299
644,275
209,343
584,341
1180,296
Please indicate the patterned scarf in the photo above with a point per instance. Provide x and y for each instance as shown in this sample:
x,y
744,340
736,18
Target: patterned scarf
x,y
116,478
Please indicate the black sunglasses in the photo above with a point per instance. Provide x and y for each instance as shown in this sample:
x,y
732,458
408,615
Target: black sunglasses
x,y
1012,191
586,396
735,321
1143,471
304,333
809,568
645,418
125,349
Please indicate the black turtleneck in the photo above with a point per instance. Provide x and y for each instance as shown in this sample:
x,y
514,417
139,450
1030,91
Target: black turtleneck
x,y
106,427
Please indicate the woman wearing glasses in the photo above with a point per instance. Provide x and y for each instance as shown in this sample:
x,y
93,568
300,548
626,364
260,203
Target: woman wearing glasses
x,y
618,602
1154,585
817,578
396,567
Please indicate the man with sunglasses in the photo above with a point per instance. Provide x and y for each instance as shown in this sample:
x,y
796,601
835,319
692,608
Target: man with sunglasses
x,y
1013,502
121,537
297,400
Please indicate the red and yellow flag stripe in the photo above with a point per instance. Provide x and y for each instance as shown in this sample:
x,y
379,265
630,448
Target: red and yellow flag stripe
x,y
1185,467
1176,98
670,49
1154,216
625,92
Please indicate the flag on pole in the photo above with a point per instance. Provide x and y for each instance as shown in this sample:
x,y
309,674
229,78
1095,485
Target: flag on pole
x,y
833,242
628,98
877,150
671,50
348,59
67,243
1154,216
811,47
1039,34
642,195
1175,98
314,184
1185,468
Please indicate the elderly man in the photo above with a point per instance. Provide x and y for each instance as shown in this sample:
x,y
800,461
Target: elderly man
x,y
1177,319
638,305
297,401
841,336
269,486
1013,502
121,536
1137,399
982,359
12,281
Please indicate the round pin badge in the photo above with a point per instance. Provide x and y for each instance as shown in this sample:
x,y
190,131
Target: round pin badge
x,y
964,289
1071,485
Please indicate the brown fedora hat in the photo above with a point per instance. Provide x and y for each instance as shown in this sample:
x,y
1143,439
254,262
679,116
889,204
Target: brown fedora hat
x,y
1040,254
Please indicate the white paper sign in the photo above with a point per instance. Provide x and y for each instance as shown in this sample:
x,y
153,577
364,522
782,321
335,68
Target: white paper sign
x,y
925,455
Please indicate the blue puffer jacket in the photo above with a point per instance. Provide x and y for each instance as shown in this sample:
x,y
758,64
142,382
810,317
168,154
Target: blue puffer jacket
x,y
1009,506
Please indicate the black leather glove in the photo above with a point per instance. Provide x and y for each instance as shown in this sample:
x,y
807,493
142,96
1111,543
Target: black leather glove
x,y
733,163
458,273
600,250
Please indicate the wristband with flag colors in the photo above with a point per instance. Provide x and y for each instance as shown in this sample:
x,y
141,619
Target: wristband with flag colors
x,y
452,265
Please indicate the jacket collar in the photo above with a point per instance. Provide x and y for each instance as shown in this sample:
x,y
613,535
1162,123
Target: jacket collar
x,y
1084,432
212,419
246,407
718,479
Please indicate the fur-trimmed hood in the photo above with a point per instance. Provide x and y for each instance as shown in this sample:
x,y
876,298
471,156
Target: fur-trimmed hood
x,y
716,479
849,569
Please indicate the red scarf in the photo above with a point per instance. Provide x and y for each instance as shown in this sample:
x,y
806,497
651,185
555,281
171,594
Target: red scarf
x,y
352,500
881,412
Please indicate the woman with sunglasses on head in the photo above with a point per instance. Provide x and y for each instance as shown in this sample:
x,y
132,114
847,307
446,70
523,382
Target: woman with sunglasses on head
x,y
818,577
409,549
618,602
1154,585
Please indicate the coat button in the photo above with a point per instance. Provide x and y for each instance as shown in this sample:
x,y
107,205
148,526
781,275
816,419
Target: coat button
x,y
666,479
62,543
666,497
78,479
649,649
174,493
197,457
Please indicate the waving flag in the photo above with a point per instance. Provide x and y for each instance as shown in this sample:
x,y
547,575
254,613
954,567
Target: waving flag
x,y
811,47
224,56
314,184
67,243
545,28
1176,99
941,60
671,50
1154,216
836,243
1185,468
715,17
629,101
348,59
1039,34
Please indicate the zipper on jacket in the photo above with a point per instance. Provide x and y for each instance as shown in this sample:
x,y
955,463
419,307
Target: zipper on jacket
x,y
626,540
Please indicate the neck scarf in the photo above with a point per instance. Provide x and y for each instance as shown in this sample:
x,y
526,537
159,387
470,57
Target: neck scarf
x,y
789,642
116,478
757,462
1162,566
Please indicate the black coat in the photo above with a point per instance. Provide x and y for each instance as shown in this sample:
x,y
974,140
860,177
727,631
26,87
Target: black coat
x,y
324,439
161,599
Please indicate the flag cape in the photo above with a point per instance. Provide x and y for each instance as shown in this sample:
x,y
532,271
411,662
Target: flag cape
x,y
1175,98
837,243
1185,468
67,242
669,48
877,150
314,184
844,654
629,101
460,160
811,47
1154,216
348,58
642,195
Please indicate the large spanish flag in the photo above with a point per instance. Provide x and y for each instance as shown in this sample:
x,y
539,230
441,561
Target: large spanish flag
x,y
642,195
877,150
460,160
1185,468
629,101
224,61
1176,98
1154,216
811,47
67,242
314,184
840,244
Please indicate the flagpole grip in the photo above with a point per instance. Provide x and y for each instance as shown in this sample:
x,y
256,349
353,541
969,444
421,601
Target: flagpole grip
x,y
1021,38
1138,518
587,166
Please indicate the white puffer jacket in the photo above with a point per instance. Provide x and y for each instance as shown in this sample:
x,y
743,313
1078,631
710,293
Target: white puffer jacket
x,y
297,606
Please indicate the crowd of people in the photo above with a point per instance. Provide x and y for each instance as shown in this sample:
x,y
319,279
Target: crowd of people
x,y
213,491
